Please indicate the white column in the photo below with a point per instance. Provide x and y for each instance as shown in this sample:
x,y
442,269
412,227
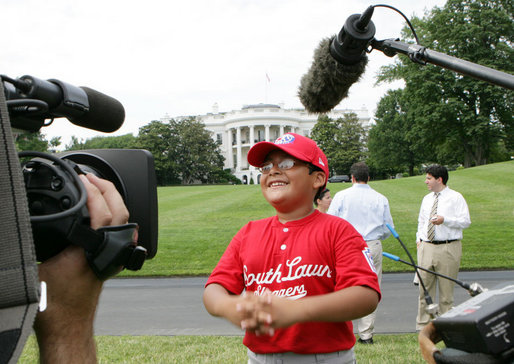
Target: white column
x,y
238,145
281,130
230,149
252,142
252,136
266,133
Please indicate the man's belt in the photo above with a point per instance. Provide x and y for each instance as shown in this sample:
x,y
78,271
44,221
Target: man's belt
x,y
438,242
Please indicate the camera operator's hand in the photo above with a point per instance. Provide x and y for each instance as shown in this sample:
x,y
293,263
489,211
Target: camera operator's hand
x,y
65,330
427,339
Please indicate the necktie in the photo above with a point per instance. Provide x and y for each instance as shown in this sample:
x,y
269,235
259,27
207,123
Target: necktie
x,y
433,212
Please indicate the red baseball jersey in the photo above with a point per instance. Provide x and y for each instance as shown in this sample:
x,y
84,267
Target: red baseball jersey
x,y
316,255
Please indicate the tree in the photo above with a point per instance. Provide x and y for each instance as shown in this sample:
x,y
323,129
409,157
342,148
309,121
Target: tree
x,y
394,143
127,141
54,143
34,141
461,119
342,140
197,154
184,152
158,138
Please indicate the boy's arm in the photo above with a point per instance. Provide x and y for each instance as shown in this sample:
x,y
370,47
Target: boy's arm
x,y
344,305
219,302
240,310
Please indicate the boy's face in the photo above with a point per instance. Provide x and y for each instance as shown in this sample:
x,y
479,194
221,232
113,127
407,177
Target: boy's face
x,y
290,189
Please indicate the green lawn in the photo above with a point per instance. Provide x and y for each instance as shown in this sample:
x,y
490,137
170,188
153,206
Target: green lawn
x,y
197,222
388,349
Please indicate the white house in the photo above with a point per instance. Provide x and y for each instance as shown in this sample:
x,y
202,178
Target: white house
x,y
238,130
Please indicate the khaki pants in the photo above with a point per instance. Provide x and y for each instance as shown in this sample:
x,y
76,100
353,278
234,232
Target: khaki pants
x,y
366,324
444,259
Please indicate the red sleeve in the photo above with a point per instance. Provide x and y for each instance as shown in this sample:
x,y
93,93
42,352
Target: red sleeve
x,y
229,270
354,265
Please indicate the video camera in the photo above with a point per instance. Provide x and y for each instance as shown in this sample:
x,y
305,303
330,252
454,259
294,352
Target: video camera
x,y
56,196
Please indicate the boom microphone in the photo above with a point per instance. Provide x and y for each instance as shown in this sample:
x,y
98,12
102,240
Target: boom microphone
x,y
33,100
338,63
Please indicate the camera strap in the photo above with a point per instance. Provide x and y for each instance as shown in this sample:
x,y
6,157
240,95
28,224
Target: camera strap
x,y
19,283
109,249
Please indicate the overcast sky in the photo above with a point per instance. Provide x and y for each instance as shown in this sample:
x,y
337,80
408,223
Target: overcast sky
x,y
161,57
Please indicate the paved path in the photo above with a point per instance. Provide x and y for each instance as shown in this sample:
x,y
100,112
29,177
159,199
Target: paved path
x,y
173,306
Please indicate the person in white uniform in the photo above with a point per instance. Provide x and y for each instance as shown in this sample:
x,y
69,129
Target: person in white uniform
x,y
368,212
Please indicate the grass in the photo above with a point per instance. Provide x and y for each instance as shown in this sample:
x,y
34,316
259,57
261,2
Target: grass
x,y
388,349
197,222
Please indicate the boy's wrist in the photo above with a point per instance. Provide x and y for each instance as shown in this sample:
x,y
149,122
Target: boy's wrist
x,y
227,308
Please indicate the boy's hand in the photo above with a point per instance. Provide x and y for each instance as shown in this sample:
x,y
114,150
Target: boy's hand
x,y
263,314
247,311
255,311
275,312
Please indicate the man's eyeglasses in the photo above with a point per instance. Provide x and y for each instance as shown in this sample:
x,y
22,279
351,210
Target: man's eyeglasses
x,y
283,165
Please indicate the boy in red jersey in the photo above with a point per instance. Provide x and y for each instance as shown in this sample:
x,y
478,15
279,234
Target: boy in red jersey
x,y
306,274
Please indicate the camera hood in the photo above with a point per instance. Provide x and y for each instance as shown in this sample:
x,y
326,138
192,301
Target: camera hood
x,y
132,172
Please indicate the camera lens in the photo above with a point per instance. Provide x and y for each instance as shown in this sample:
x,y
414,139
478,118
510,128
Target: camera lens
x,y
56,184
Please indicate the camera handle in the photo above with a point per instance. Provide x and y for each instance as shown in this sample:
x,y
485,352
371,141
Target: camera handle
x,y
109,249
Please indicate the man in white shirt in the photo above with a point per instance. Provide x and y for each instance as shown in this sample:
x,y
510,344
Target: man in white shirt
x,y
442,217
368,212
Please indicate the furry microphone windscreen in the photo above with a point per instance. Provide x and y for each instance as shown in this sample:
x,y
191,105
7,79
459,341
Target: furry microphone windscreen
x,y
327,82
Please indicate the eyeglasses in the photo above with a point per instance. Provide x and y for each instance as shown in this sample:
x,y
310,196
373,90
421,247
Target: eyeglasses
x,y
283,165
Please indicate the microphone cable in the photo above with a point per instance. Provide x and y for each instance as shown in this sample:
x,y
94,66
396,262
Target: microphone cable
x,y
473,289
404,17
431,306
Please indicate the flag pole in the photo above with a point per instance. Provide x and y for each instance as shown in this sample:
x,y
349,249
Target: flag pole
x,y
266,84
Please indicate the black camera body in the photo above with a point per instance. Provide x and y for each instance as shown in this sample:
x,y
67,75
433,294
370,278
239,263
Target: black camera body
x,y
59,216
51,191
56,196
133,173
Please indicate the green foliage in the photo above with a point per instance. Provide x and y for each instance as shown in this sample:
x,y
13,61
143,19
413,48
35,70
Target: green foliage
x,y
184,152
225,176
342,140
197,154
34,142
127,141
158,138
395,144
460,119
